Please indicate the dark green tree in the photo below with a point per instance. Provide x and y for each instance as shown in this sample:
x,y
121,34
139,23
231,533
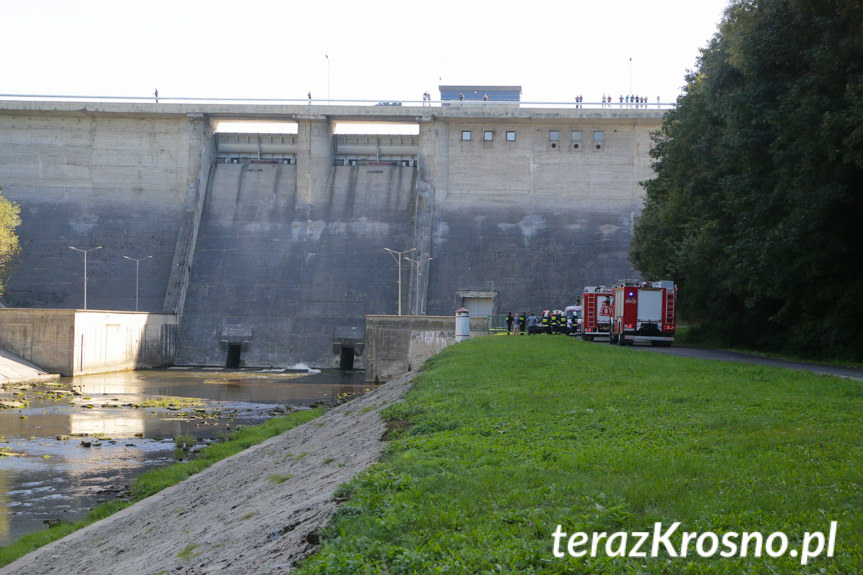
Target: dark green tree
x,y
10,219
758,191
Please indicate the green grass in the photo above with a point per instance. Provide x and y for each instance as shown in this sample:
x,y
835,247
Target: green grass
x,y
159,478
503,439
278,478
189,552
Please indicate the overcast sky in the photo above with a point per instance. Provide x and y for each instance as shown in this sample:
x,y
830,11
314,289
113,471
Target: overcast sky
x,y
375,50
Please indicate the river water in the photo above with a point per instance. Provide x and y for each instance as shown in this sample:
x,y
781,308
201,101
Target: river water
x,y
82,441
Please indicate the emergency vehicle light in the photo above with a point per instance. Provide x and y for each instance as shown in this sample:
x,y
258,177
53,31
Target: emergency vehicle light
x,y
630,294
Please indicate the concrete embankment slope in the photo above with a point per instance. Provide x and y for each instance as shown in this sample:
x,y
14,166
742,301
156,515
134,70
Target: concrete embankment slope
x,y
256,512
13,369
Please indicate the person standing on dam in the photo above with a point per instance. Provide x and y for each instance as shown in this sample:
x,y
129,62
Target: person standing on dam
x,y
508,323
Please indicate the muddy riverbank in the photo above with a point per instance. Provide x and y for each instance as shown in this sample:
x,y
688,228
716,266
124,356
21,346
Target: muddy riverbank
x,y
234,517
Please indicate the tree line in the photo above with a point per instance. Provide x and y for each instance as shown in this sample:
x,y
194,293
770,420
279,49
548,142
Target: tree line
x,y
756,205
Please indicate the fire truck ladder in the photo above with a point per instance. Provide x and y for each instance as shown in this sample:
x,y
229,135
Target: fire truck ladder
x,y
670,298
590,305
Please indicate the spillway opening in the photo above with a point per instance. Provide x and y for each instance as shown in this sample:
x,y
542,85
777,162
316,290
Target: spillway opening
x,y
235,352
346,358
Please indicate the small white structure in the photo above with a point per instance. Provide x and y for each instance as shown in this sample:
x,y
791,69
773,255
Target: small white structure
x,y
462,324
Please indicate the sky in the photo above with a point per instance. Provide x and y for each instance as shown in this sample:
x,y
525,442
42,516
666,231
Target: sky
x,y
379,50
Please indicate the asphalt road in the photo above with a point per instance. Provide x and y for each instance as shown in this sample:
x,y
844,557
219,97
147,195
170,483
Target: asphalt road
x,y
700,353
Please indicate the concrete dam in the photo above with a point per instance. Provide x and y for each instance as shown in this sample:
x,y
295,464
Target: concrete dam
x,y
270,249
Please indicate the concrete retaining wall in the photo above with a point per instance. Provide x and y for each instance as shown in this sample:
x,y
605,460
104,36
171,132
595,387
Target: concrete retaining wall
x,y
398,344
78,342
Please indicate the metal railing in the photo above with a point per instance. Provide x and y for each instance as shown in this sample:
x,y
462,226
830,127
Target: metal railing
x,y
385,104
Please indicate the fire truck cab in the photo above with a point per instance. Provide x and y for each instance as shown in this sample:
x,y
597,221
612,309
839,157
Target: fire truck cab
x,y
596,308
644,311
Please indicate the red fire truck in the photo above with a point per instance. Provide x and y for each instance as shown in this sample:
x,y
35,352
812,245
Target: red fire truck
x,y
596,308
644,311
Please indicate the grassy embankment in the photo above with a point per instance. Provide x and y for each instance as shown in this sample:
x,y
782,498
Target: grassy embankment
x,y
159,478
504,438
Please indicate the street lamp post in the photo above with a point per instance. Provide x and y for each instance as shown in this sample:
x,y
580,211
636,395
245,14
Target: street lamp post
x,y
419,264
630,77
398,258
328,78
137,265
85,252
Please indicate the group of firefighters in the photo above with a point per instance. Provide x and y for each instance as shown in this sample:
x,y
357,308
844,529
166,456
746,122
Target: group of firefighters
x,y
553,322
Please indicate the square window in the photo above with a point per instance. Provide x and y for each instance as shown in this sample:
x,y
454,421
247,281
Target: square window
x,y
510,136
465,136
576,136
488,136
598,136
554,136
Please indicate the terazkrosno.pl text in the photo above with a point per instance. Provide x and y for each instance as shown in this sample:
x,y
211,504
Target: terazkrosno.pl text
x,y
669,542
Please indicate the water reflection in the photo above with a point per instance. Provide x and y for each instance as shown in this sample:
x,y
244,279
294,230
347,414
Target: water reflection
x,y
72,451
122,425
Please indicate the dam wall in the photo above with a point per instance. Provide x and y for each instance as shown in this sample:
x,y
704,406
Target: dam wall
x,y
282,277
86,179
270,249
532,208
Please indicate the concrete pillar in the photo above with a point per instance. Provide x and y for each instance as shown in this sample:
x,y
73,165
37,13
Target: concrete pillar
x,y
202,154
314,156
